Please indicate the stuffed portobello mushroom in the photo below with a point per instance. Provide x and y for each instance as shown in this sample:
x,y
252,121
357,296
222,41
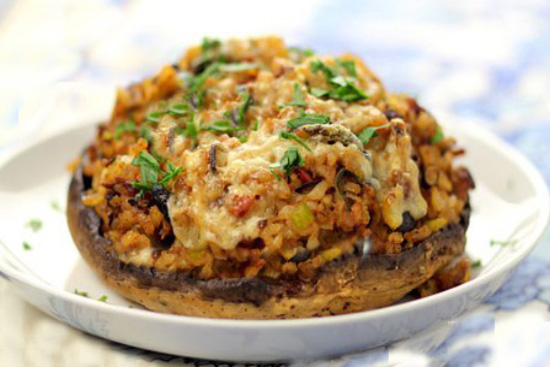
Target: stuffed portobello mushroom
x,y
252,180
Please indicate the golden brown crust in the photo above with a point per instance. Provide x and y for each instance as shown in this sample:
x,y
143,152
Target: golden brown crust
x,y
350,284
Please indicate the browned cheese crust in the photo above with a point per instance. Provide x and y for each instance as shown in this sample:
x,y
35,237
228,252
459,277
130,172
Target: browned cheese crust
x,y
353,283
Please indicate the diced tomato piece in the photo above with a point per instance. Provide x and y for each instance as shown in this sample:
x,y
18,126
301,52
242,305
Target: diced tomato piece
x,y
239,205
303,175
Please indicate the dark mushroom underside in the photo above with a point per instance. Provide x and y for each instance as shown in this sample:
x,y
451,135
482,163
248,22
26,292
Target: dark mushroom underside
x,y
354,283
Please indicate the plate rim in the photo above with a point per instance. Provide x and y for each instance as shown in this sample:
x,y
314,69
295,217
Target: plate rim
x,y
464,128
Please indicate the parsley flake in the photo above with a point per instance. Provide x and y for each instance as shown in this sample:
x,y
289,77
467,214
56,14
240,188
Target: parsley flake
x,y
149,169
342,87
476,264
196,82
180,109
297,97
307,119
171,173
503,243
126,126
80,293
190,130
210,44
35,225
296,138
55,206
222,127
303,52
290,160
26,246
154,117
103,298
366,135
438,136
348,66
256,125
247,101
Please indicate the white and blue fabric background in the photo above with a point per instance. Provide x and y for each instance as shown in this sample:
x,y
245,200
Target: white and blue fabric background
x,y
481,61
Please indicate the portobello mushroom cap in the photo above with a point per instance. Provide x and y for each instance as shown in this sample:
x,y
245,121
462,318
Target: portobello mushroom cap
x,y
353,283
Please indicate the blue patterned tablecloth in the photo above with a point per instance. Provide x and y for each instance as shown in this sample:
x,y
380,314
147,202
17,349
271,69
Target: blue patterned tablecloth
x,y
483,61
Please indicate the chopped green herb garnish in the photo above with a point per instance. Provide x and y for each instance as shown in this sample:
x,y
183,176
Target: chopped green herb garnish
x,y
319,92
55,206
103,298
238,66
210,44
343,88
305,52
503,243
80,293
149,168
366,135
348,66
222,126
196,82
145,133
180,109
171,173
317,65
256,125
290,160
243,139
297,97
438,136
296,138
210,52
190,130
35,225
475,264
307,119
127,126
26,246
154,117
200,98
247,101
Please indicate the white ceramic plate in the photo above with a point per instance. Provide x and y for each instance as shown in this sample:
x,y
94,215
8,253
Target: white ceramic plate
x,y
511,203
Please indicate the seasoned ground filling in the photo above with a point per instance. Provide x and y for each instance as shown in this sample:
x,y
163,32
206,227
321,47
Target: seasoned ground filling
x,y
248,158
